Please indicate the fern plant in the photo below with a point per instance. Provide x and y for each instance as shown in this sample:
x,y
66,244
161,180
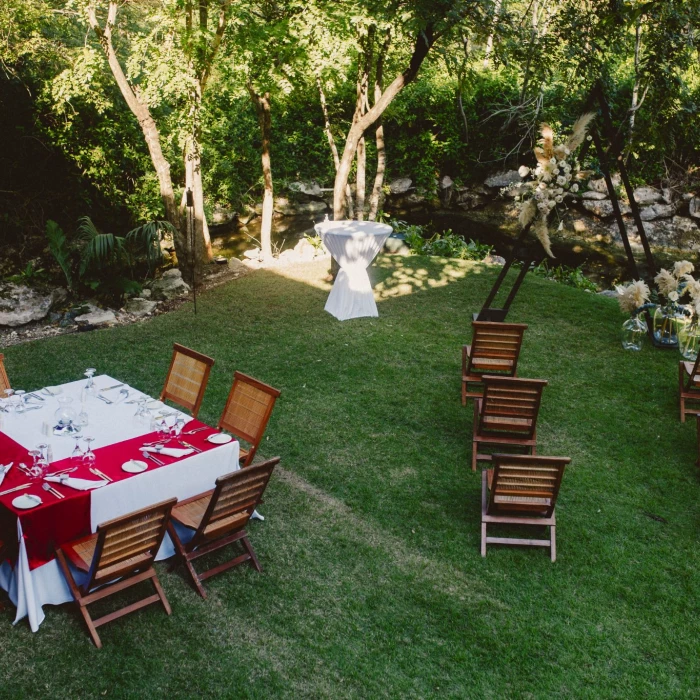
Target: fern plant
x,y
60,249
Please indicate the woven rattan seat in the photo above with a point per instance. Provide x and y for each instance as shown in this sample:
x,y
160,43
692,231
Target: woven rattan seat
x,y
521,490
247,412
4,380
495,349
219,518
119,555
689,387
187,378
506,415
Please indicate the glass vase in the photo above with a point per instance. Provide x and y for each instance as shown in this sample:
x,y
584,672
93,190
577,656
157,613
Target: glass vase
x,y
689,340
633,331
666,321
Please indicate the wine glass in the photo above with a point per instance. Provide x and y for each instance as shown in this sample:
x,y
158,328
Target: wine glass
x,y
8,398
142,414
90,388
89,455
43,461
177,426
77,454
82,417
35,469
19,400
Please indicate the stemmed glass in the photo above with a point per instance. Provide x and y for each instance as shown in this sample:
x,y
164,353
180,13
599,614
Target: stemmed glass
x,y
90,388
19,404
177,426
77,454
82,416
35,469
89,455
43,462
142,414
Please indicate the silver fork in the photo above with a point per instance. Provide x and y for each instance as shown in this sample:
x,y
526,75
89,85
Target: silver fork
x,y
196,430
152,457
187,444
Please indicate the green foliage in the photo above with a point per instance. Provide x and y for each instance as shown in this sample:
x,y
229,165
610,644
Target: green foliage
x,y
445,245
571,276
28,275
58,245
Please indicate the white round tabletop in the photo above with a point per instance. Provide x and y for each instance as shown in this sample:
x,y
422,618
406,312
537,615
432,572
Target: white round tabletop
x,y
350,228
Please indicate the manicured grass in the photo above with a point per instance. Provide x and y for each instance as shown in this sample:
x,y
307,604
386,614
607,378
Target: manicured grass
x,y
373,584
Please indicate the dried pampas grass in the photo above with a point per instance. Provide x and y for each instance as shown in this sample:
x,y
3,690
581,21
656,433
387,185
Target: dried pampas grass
x,y
527,212
579,130
547,140
632,296
542,233
666,282
692,286
682,268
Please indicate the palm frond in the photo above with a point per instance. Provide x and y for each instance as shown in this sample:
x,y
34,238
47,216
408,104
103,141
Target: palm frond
x,y
146,239
98,249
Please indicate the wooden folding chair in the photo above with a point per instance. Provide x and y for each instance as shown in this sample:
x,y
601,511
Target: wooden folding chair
x,y
506,415
219,518
119,555
187,378
495,349
689,386
247,412
521,490
4,381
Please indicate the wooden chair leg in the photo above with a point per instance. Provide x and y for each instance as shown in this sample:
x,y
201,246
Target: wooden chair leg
x,y
181,555
161,594
681,372
484,487
553,541
251,552
464,393
474,450
483,539
195,578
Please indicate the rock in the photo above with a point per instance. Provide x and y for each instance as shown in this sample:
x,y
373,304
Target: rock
x,y
657,211
644,196
494,260
401,185
140,307
446,182
611,293
415,199
469,198
592,194
504,179
100,317
311,189
667,195
694,207
145,294
235,265
603,208
20,304
253,254
286,208
287,256
221,216
601,186
396,245
170,286
304,250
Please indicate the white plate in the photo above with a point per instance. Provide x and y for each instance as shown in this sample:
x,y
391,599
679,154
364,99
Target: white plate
x,y
55,390
134,466
154,405
24,502
219,438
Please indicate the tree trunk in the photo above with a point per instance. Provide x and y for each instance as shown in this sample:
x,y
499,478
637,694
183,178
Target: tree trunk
x,y
360,179
489,41
140,110
262,108
193,182
331,144
360,124
376,196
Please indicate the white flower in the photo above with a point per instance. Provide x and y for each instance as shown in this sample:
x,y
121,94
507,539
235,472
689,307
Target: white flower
x,y
567,150
589,138
551,204
523,171
561,226
673,296
542,186
574,187
538,170
567,177
558,199
556,171
561,180
552,161
542,207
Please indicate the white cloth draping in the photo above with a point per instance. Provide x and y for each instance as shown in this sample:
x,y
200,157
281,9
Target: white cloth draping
x,y
29,589
354,244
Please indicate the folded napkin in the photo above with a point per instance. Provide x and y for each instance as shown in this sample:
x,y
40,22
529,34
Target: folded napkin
x,y
169,451
4,470
79,484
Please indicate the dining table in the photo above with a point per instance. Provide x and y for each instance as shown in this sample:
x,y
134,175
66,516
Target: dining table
x,y
29,572
354,245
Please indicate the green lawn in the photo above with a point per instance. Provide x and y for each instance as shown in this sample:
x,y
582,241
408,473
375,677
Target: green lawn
x,y
372,583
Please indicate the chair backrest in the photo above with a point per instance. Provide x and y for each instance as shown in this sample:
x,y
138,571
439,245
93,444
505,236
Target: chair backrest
x,y
4,381
248,410
525,484
510,406
129,544
187,378
234,499
691,383
495,348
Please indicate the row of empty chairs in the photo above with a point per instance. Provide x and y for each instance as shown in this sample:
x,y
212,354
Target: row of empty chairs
x,y
120,554
518,489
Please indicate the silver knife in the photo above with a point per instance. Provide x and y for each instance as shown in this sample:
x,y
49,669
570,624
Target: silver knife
x,y
103,398
109,388
36,396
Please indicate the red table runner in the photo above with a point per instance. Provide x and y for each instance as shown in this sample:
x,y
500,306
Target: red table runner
x,y
57,521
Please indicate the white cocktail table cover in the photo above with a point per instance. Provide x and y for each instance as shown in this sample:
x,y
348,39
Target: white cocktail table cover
x,y
354,244
29,589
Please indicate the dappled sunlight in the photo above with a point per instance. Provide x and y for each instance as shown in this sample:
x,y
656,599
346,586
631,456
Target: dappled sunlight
x,y
315,273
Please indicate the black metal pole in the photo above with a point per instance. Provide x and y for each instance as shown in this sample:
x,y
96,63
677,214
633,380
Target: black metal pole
x,y
190,211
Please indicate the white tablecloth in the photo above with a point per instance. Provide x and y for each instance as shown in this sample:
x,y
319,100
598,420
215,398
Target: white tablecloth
x,y
354,244
29,589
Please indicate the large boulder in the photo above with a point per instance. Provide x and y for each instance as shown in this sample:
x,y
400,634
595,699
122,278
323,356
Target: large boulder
x,y
694,207
644,196
222,216
97,317
140,307
603,208
401,185
170,286
592,194
310,189
288,208
657,211
504,179
20,304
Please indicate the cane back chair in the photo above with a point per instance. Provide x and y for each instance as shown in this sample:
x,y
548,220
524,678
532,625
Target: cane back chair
x,y
119,555
521,490
219,518
689,387
494,350
506,415
247,411
187,378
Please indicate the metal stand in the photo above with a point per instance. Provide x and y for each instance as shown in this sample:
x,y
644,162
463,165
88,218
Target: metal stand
x,y
193,260
613,153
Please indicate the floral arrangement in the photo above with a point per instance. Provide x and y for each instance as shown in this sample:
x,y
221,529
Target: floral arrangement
x,y
553,178
632,297
673,285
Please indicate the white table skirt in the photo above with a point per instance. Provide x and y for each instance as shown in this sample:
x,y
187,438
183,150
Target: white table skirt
x,y
29,589
354,244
